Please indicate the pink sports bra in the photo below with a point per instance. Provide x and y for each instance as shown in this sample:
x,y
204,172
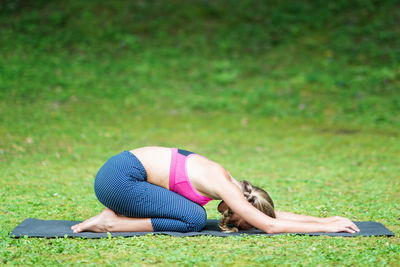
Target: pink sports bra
x,y
179,180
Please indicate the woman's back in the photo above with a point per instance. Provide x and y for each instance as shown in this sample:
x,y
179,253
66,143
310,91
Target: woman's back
x,y
157,162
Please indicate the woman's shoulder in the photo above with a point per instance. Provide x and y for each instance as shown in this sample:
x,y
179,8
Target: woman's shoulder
x,y
204,167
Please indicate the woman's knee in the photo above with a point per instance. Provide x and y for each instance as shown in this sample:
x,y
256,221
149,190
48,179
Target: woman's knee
x,y
197,220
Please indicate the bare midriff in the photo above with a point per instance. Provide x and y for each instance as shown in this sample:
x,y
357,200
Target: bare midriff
x,y
157,161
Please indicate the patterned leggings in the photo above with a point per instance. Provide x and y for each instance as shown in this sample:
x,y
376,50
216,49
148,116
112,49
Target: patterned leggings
x,y
121,185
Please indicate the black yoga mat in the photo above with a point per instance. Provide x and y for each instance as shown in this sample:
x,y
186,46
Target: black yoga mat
x,y
57,228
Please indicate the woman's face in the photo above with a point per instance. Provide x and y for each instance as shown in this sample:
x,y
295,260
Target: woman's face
x,y
239,222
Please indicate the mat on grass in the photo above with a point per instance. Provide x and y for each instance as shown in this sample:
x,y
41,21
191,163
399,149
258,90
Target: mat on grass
x,y
57,228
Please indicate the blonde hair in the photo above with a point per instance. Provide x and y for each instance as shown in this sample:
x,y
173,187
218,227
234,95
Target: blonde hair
x,y
258,197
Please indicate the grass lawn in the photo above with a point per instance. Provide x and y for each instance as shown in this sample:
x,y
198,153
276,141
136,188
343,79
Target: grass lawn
x,y
317,169
304,106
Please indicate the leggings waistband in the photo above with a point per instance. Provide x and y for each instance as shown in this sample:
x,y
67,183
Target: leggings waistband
x,y
136,163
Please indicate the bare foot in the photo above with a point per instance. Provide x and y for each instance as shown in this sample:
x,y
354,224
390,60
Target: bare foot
x,y
98,223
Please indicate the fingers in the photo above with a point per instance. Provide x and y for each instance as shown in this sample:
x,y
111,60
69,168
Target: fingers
x,y
354,227
351,228
344,226
348,223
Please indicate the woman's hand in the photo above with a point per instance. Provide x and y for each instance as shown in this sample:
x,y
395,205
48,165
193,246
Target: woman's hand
x,y
339,224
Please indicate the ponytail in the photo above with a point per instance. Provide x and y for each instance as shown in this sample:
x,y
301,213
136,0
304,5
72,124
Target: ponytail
x,y
256,196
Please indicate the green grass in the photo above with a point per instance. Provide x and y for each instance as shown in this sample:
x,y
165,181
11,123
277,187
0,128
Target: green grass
x,y
301,98
309,168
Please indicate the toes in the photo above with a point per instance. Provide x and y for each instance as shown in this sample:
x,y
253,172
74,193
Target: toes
x,y
76,226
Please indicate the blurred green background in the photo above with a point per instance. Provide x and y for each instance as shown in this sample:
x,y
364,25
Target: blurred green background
x,y
331,61
301,98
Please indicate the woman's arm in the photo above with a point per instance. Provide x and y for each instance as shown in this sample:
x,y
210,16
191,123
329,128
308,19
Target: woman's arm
x,y
289,216
234,198
284,215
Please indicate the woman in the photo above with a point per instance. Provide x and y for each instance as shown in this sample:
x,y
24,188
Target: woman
x,y
162,189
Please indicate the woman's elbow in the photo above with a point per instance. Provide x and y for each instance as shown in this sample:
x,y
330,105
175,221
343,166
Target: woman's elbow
x,y
271,228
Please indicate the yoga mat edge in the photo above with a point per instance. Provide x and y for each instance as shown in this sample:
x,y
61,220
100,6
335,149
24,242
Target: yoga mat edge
x,y
59,228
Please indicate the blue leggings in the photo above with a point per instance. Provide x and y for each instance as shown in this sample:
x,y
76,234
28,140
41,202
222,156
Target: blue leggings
x,y
121,185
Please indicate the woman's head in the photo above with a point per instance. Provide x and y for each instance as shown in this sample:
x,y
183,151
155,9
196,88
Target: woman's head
x,y
258,197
